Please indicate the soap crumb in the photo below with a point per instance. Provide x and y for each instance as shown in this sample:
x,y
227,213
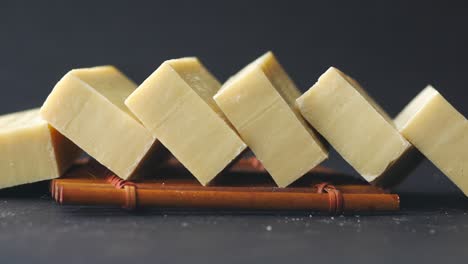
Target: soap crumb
x,y
432,231
6,214
269,228
184,224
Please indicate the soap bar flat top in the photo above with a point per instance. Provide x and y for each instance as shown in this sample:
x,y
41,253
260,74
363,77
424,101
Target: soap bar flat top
x,y
87,106
440,132
412,109
31,150
192,71
354,124
281,88
259,102
21,120
176,105
109,82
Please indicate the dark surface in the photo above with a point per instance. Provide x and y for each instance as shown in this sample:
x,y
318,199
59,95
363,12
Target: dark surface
x,y
33,228
394,48
39,231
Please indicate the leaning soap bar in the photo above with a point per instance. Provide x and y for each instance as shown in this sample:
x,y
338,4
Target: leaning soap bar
x,y
357,127
440,132
87,106
175,103
259,101
31,150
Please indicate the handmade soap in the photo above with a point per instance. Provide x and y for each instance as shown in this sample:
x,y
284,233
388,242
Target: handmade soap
x,y
175,103
87,106
259,101
440,132
357,127
31,150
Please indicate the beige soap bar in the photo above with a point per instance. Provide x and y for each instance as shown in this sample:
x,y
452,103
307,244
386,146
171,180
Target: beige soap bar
x,y
175,103
440,132
87,106
31,150
357,127
259,101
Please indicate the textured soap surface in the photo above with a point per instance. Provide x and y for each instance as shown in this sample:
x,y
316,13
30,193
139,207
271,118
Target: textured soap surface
x,y
355,125
175,103
31,150
440,132
259,101
87,106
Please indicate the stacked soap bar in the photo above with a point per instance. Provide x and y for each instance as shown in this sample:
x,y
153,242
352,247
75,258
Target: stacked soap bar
x,y
176,105
207,125
259,101
31,150
440,132
358,128
87,106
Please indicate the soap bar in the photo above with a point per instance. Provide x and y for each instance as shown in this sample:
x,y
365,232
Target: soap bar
x,y
259,101
175,104
440,132
357,127
87,106
31,150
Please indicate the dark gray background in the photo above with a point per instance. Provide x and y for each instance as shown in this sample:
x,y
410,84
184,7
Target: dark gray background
x,y
394,48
